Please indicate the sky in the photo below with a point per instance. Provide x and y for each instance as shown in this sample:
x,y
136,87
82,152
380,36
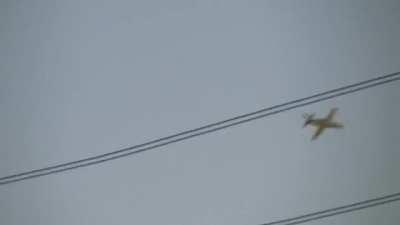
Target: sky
x,y
83,77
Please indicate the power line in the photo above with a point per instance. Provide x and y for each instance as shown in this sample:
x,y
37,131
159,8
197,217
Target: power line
x,y
345,90
338,210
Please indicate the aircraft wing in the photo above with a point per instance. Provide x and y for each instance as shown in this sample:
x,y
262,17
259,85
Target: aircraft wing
x,y
332,114
318,132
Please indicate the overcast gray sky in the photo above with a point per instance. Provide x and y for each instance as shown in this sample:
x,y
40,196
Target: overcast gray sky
x,y
85,77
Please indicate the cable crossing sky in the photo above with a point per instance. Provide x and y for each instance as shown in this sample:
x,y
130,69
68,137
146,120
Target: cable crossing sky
x,y
338,210
181,136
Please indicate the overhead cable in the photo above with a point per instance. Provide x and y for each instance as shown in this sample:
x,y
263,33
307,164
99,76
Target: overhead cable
x,y
224,124
338,210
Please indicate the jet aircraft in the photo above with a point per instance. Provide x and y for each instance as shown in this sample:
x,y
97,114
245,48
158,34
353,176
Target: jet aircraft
x,y
321,123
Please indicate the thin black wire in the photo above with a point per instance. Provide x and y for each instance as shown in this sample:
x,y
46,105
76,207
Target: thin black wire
x,y
85,161
338,210
345,211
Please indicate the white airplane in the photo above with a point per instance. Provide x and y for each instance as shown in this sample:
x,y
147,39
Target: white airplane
x,y
322,123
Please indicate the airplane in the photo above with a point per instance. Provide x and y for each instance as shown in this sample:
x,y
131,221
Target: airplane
x,y
321,123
